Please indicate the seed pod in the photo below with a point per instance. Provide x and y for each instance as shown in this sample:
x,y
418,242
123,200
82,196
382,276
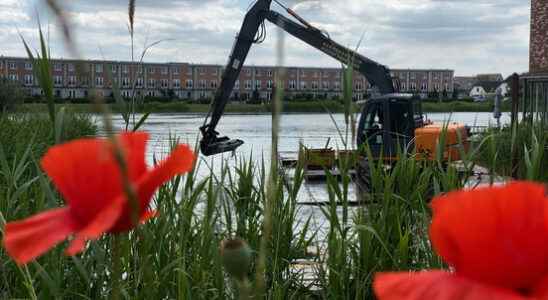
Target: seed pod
x,y
236,256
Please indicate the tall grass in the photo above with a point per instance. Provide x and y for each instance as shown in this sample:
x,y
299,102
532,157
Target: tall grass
x,y
176,255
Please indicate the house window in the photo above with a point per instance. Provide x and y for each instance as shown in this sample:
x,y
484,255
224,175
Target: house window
x,y
424,86
269,73
292,84
201,71
337,85
58,67
175,71
202,84
99,81
215,71
269,84
12,77
257,84
12,65
139,82
164,70
403,87
151,70
57,80
113,68
124,69
98,68
177,83
125,81
315,84
358,86
325,85
28,66
152,83
28,79
303,74
248,84
304,85
315,74
257,72
413,86
213,84
72,80
237,85
189,71
164,83
189,83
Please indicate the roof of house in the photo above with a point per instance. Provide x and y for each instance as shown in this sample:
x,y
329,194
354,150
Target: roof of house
x,y
488,86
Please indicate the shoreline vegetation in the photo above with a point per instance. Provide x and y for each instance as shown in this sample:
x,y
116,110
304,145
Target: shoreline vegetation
x,y
239,232
288,107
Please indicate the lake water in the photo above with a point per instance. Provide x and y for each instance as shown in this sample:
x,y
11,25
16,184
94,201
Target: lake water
x,y
313,130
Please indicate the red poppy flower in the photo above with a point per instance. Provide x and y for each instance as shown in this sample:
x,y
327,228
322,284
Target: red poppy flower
x,y
496,241
88,177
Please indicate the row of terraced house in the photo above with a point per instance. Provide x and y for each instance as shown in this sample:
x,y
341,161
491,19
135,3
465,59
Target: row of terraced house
x,y
77,79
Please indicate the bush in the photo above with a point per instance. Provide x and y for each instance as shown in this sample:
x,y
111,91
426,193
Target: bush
x,y
18,131
11,94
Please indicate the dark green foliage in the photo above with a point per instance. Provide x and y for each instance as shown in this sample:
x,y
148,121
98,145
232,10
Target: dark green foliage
x,y
11,94
526,145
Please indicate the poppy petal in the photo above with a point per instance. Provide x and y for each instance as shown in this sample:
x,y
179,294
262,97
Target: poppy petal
x,y
494,235
134,144
437,285
87,174
102,223
27,239
147,215
179,161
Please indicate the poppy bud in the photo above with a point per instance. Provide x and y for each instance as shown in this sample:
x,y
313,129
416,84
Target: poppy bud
x,y
236,256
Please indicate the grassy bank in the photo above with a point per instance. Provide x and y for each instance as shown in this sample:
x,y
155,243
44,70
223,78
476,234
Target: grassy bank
x,y
289,107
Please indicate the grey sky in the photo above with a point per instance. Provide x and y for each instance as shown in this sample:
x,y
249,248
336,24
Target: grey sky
x,y
469,36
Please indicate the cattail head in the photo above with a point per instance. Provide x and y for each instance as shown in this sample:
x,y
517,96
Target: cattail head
x,y
131,12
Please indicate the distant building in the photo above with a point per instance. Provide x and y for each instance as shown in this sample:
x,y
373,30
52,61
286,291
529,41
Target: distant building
x,y
535,93
464,84
197,82
490,77
538,50
482,89
436,83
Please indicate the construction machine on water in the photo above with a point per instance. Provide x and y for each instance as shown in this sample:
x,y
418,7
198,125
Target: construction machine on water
x,y
388,121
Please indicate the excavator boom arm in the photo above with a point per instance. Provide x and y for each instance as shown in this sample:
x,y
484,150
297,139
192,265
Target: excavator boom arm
x,y
377,74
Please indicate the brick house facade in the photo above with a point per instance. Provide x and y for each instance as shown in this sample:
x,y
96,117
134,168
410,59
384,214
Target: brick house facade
x,y
534,100
75,80
538,51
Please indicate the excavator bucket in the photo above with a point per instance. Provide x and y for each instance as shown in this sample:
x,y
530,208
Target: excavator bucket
x,y
219,145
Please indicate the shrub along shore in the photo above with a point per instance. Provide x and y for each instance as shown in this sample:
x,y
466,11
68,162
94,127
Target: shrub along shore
x,y
289,107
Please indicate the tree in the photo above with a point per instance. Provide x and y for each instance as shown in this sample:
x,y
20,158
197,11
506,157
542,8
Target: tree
x,y
11,94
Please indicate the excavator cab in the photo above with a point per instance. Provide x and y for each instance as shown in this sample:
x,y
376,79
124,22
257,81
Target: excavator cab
x,y
388,122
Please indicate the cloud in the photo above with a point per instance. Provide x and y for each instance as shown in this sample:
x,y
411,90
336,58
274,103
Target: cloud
x,y
467,36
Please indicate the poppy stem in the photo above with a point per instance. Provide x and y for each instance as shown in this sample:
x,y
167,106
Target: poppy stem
x,y
116,268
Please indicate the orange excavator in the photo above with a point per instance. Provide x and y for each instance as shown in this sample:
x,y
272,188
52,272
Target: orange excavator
x,y
388,121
